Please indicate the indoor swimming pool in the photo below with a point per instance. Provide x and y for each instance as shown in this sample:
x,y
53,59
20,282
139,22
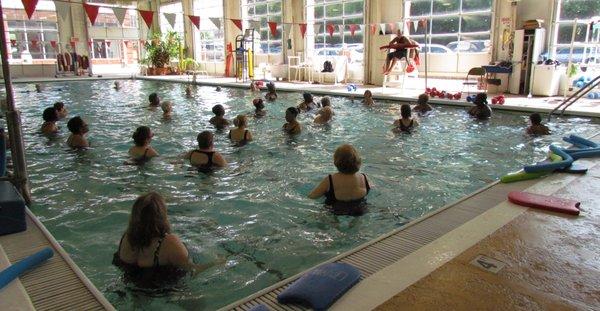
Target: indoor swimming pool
x,y
255,212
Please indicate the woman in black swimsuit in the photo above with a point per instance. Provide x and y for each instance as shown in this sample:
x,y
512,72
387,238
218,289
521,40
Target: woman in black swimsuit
x,y
240,135
406,123
346,191
142,151
205,158
149,254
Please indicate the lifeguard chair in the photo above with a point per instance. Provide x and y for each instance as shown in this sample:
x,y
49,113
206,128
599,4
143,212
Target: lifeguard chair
x,y
403,68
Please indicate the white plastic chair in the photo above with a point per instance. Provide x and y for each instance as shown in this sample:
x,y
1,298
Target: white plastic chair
x,y
294,63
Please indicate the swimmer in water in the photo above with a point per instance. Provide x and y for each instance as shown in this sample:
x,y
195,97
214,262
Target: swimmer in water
x,y
78,129
117,85
271,92
537,128
38,88
167,108
259,106
406,123
154,100
422,106
205,158
240,134
482,110
292,126
324,115
50,117
308,103
219,120
142,151
188,92
61,110
368,98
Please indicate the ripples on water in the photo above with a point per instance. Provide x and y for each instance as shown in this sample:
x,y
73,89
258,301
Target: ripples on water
x,y
255,212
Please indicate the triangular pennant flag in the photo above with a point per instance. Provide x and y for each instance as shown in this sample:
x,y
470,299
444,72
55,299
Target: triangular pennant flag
x,y
216,21
108,43
34,42
401,26
415,25
341,28
147,16
29,6
373,28
13,42
287,30
53,44
317,29
63,9
302,29
273,27
92,12
255,25
119,14
362,28
73,43
195,20
353,28
89,43
382,26
170,17
423,22
409,24
237,23
392,27
330,29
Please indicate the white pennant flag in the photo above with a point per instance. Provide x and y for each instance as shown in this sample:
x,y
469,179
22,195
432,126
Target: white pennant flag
x,y
63,9
401,26
341,29
170,17
382,26
362,28
317,29
287,30
119,14
416,25
216,21
255,25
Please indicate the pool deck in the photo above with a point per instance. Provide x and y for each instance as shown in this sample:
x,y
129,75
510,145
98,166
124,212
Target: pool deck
x,y
57,284
550,260
583,107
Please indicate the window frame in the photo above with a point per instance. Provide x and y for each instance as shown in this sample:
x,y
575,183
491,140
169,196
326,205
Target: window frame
x,y
269,16
586,45
218,38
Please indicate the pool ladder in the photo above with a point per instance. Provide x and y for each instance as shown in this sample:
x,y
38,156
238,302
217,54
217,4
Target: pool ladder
x,y
576,96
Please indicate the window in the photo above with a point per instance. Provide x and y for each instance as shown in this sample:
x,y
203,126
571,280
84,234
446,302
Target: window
x,y
209,41
105,48
265,11
461,26
585,41
335,12
31,39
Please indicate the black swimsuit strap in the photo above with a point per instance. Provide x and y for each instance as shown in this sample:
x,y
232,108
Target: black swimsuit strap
x,y
331,190
366,183
245,135
156,263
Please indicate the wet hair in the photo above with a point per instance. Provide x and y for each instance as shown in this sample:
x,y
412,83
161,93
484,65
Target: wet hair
x,y
148,221
153,98
293,111
240,120
405,111
258,103
535,118
218,110
59,106
141,135
423,99
480,98
205,139
166,105
218,89
327,111
50,114
75,125
271,87
307,97
368,92
325,101
346,159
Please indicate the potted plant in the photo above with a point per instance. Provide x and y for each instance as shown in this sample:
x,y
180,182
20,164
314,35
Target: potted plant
x,y
160,51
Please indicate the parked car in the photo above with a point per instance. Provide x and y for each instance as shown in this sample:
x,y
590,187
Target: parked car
x,y
435,48
471,46
562,55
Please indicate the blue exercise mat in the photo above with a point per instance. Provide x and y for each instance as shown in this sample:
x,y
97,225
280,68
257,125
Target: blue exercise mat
x,y
322,286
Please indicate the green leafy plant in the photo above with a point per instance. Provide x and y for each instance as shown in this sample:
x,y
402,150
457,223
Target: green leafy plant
x,y
161,50
187,64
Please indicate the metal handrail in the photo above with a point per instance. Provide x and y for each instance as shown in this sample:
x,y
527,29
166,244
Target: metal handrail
x,y
577,95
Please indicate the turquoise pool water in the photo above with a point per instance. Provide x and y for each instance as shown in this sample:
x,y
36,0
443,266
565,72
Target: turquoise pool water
x,y
255,212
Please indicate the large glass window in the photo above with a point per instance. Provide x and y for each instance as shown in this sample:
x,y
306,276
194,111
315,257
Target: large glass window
x,y
265,11
102,48
585,41
31,39
454,25
209,41
335,13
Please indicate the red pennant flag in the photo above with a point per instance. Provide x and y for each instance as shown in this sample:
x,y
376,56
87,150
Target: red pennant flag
x,y
195,20
53,44
373,29
422,22
409,24
330,29
73,44
238,23
273,27
29,6
303,29
13,42
353,28
147,16
92,12
90,43
392,26
34,42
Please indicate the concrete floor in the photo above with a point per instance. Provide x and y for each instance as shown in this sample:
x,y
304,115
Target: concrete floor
x,y
552,262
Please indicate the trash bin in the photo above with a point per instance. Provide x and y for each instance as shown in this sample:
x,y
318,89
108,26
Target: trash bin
x,y
546,79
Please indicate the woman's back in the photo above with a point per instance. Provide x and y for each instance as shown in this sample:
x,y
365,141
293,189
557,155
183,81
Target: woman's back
x,y
348,187
151,256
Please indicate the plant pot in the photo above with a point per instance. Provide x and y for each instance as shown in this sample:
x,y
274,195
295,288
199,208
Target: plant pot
x,y
151,71
161,71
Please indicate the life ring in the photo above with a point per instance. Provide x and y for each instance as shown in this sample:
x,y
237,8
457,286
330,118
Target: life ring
x,y
67,61
61,62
